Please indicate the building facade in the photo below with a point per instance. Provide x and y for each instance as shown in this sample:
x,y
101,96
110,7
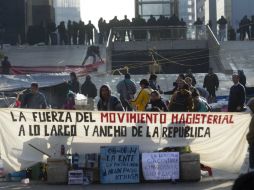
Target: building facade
x,y
145,8
187,11
14,24
67,10
39,11
200,9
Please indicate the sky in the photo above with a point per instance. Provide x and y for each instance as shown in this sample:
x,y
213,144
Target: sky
x,y
94,9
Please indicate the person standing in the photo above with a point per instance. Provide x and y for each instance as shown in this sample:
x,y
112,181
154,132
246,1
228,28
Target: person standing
x,y
108,102
143,97
236,95
6,66
198,25
211,83
89,89
222,28
244,28
70,32
252,27
127,89
62,33
75,27
73,83
242,77
34,99
90,28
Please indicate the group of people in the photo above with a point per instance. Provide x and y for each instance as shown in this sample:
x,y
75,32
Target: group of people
x,y
79,33
104,27
246,26
186,95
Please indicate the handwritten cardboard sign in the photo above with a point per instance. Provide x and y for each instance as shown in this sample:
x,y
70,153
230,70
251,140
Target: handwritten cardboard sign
x,y
119,164
160,165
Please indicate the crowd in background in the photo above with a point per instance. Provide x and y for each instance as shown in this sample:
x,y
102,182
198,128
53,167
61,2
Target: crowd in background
x,y
186,96
79,33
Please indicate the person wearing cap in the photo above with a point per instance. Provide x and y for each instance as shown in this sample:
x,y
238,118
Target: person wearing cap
x,y
250,135
108,102
237,95
89,89
127,89
143,97
34,99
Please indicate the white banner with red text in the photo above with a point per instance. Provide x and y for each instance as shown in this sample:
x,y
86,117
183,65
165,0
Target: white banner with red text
x,y
30,136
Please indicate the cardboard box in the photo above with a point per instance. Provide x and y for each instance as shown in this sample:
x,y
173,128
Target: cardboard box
x,y
75,177
93,175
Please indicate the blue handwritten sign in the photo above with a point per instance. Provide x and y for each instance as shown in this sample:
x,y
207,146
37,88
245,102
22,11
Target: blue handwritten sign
x,y
119,164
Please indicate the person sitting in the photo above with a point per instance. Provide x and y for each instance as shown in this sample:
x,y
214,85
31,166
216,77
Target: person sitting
x,y
181,101
180,77
156,102
73,83
108,102
89,89
141,101
34,99
70,102
6,66
200,104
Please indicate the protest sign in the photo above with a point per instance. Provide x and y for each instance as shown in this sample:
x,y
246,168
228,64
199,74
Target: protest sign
x,y
119,164
208,134
161,166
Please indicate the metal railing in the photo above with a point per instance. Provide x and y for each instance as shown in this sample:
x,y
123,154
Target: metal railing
x,y
157,33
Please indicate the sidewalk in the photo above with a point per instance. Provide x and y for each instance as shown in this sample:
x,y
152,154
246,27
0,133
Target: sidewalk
x,y
211,185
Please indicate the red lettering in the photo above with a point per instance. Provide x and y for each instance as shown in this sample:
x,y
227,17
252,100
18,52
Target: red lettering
x,y
104,116
120,117
210,119
174,118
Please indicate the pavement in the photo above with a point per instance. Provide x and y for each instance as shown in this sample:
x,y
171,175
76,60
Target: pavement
x,y
206,185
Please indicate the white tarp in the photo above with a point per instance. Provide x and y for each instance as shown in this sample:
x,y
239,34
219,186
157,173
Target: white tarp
x,y
219,138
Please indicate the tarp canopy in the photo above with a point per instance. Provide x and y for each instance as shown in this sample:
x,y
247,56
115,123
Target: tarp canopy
x,y
18,82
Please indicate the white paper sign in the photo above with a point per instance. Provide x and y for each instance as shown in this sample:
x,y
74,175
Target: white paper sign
x,y
161,166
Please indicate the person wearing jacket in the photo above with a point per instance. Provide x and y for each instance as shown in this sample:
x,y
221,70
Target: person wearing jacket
x,y
73,84
237,95
108,102
143,97
211,83
156,102
181,101
127,89
89,89
250,136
